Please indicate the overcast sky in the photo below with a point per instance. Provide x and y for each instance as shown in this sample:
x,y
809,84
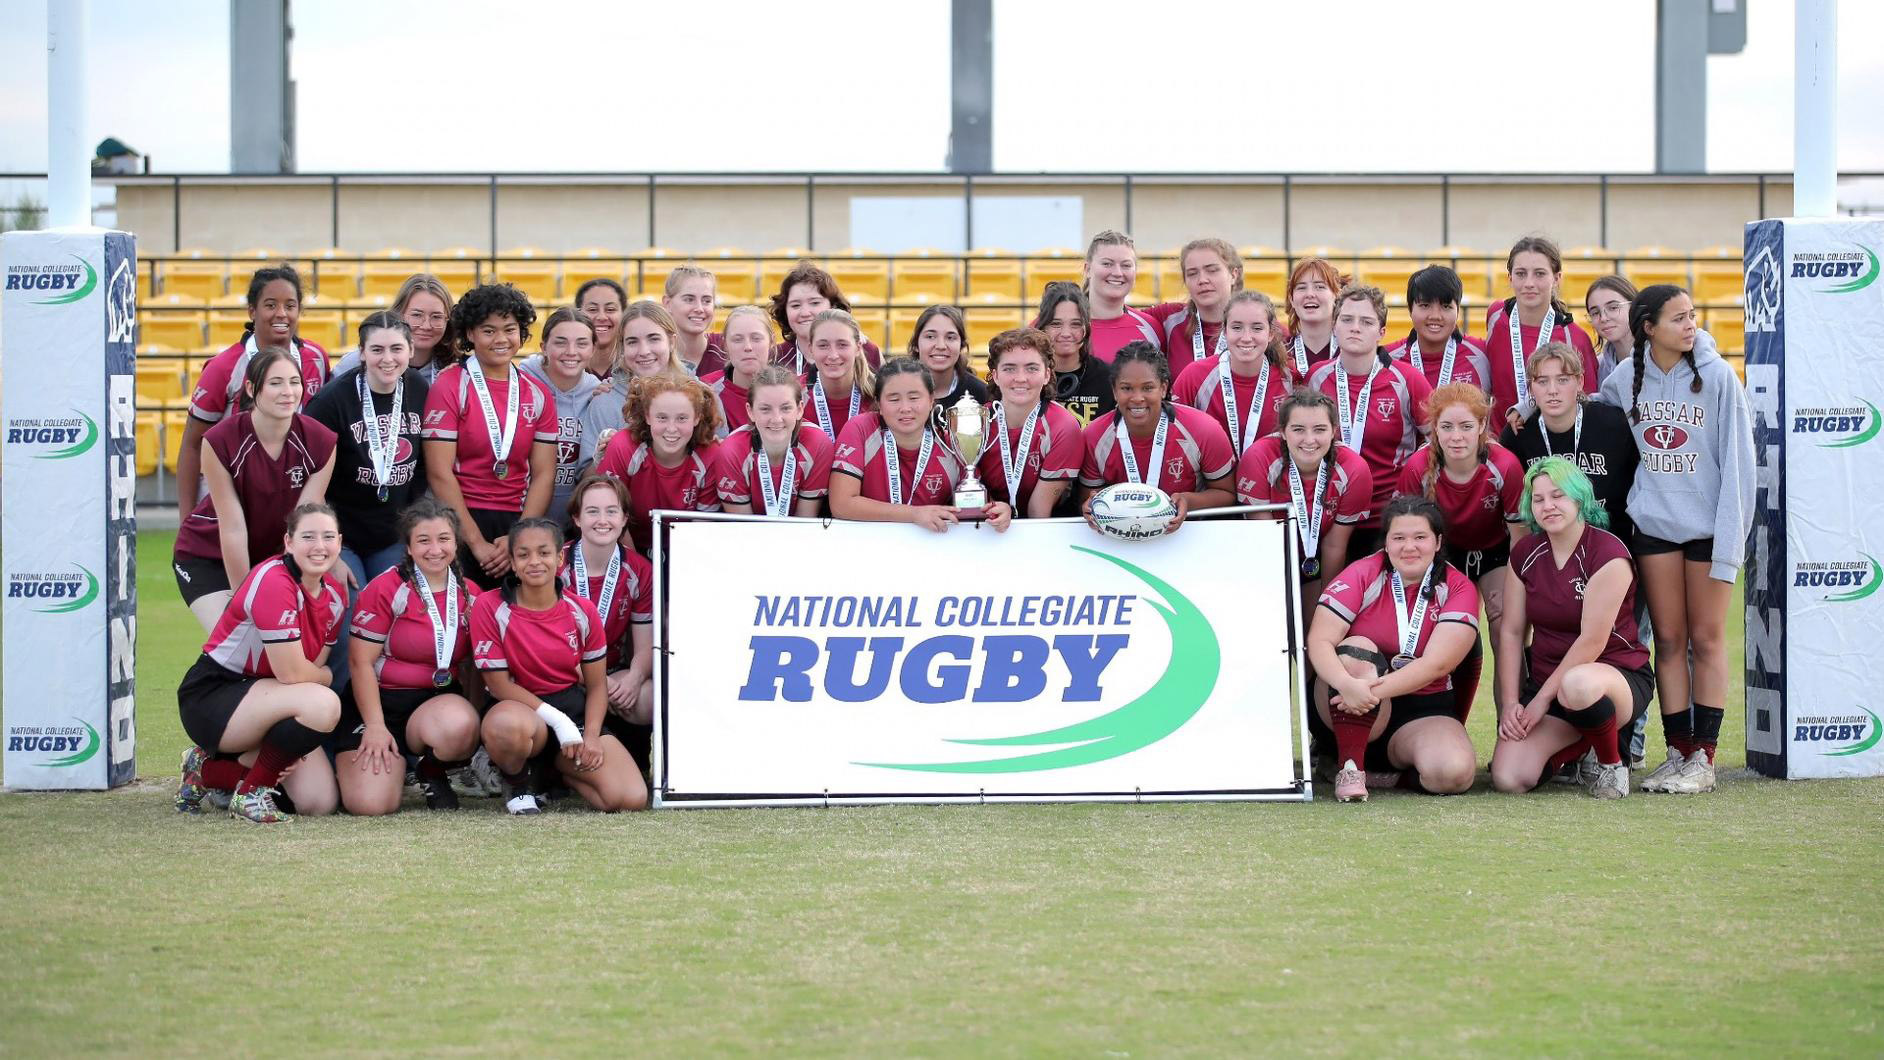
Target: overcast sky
x,y
480,85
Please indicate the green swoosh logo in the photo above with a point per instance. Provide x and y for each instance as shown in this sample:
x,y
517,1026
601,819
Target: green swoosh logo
x,y
1862,746
1862,591
90,594
1870,432
80,446
1861,282
91,282
1163,709
83,753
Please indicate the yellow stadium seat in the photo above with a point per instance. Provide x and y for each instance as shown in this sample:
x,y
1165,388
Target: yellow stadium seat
x,y
145,436
778,263
903,317
735,273
987,317
172,320
1341,257
228,319
1728,325
722,310
1170,275
1051,265
365,306
861,273
146,280
196,272
591,263
1718,277
927,274
647,271
169,438
321,324
992,271
386,270
1389,268
875,324
332,273
1266,269
160,383
1657,264
458,268
1582,266
1477,272
532,270
1399,317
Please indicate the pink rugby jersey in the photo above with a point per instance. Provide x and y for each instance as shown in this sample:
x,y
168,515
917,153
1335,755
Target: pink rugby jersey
x,y
1469,363
542,650
1363,595
270,607
631,602
1479,513
1054,455
861,454
453,413
736,468
221,381
1201,387
1389,416
391,613
1195,451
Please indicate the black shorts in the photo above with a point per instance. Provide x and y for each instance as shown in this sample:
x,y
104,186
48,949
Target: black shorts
x,y
208,698
1700,550
574,701
491,525
396,706
1406,708
1475,562
1641,691
198,577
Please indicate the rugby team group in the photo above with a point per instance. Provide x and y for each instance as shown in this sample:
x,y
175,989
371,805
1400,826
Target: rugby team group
x,y
432,557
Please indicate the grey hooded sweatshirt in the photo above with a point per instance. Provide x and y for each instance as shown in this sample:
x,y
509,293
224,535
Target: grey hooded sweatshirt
x,y
1696,475
575,447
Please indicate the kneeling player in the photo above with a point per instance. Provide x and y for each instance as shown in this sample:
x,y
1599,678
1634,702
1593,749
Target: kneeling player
x,y
620,583
542,655
1397,713
410,656
258,700
1586,672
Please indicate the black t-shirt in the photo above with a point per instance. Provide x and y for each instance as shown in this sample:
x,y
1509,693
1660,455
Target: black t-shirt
x,y
1087,393
366,522
1607,454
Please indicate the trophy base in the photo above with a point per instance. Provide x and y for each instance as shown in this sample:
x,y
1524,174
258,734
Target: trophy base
x,y
971,503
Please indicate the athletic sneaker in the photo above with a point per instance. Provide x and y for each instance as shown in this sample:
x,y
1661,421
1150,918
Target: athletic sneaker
x,y
1695,777
1350,784
1612,782
1384,779
1572,772
479,779
217,799
257,805
1658,780
438,793
523,804
1588,769
190,789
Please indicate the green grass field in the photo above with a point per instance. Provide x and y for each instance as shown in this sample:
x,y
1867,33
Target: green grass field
x,y
1745,921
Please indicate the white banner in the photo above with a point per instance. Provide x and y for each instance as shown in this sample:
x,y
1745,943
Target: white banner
x,y
815,661
1815,378
68,309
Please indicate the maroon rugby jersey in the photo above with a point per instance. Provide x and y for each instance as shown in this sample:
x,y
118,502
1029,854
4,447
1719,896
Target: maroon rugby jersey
x,y
1553,601
268,487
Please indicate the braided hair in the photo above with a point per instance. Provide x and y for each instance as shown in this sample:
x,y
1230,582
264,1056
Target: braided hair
x,y
1645,312
1408,504
549,526
259,282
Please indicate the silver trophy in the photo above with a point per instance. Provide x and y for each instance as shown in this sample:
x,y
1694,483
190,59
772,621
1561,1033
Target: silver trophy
x,y
965,430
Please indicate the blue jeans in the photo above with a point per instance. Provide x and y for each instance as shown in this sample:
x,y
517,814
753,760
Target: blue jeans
x,y
365,569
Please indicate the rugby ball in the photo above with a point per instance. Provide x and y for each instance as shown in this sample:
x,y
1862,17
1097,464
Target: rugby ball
x,y
1131,512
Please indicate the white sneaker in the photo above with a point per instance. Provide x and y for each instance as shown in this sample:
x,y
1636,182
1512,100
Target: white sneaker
x,y
1696,776
1611,782
523,804
1658,780
1588,769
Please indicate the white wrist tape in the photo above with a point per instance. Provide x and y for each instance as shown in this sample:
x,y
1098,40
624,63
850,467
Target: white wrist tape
x,y
567,732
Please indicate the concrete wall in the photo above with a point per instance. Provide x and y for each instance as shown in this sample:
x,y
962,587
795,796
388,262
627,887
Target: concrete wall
x,y
300,214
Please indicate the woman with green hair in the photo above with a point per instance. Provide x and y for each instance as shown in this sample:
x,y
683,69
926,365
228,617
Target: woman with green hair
x,y
1571,593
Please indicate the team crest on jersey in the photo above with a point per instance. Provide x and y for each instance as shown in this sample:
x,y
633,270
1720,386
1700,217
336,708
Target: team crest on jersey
x,y
1577,585
1174,466
296,474
1491,502
1665,436
1387,407
570,635
932,483
689,496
